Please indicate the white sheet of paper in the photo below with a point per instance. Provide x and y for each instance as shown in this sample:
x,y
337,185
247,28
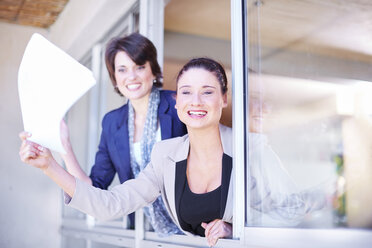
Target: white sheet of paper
x,y
49,83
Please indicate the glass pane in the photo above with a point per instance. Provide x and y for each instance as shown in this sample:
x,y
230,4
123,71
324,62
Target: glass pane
x,y
68,242
310,110
195,29
103,245
77,121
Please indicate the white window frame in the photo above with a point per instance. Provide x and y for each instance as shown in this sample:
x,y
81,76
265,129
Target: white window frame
x,y
261,236
239,118
112,232
152,25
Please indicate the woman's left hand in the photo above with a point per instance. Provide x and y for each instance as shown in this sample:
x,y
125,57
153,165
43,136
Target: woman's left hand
x,y
65,136
216,229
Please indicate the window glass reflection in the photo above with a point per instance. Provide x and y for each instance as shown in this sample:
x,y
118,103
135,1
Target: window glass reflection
x,y
310,114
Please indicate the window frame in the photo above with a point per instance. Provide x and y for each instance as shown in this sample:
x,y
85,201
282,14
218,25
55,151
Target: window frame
x,y
268,237
89,228
239,110
112,233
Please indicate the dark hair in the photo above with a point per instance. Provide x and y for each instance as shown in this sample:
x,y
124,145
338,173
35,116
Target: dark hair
x,y
209,65
139,49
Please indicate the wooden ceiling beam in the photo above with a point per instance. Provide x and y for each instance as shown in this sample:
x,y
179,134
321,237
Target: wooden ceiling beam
x,y
37,13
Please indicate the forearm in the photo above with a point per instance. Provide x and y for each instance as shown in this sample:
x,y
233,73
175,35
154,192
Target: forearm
x,y
73,166
120,200
61,177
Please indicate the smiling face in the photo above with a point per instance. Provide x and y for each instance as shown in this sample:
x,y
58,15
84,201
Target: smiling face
x,y
199,100
133,81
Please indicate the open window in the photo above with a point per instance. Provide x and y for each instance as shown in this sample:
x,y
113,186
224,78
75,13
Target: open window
x,y
300,108
84,121
146,16
309,125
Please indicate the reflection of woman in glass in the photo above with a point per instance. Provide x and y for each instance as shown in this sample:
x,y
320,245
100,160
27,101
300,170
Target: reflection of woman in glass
x,y
192,173
275,199
129,132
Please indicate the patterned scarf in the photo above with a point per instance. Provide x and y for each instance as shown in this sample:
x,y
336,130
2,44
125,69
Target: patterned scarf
x,y
156,212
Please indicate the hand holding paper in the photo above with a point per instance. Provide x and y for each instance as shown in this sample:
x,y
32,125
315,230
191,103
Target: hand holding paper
x,y
49,83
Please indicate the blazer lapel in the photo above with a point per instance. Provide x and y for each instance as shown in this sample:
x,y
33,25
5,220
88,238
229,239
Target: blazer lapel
x,y
226,175
226,139
172,181
121,141
180,181
228,215
165,119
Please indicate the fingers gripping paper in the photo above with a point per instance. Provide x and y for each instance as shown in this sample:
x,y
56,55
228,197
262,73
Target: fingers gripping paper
x,y
49,83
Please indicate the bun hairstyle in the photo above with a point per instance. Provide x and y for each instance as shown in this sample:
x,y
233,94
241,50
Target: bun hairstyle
x,y
139,49
209,65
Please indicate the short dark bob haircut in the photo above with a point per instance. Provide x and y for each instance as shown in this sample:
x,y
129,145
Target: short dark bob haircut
x,y
139,49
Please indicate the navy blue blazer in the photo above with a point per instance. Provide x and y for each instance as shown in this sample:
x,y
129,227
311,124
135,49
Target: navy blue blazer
x,y
113,150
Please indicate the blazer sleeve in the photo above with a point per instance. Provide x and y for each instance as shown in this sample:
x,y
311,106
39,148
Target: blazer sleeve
x,y
120,200
103,170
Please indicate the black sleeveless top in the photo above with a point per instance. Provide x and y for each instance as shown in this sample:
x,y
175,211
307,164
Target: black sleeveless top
x,y
193,209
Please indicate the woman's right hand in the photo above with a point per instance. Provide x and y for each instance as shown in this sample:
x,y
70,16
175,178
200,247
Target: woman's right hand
x,y
40,157
34,154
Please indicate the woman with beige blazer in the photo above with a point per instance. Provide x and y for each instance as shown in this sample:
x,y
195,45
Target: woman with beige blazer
x,y
192,173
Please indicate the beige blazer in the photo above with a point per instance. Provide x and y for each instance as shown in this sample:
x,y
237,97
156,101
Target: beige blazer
x,y
157,178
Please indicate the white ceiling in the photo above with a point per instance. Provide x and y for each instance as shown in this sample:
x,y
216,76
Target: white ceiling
x,y
208,18
340,28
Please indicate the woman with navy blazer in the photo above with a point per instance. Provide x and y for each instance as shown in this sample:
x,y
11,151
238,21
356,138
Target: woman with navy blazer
x,y
129,132
192,173
113,153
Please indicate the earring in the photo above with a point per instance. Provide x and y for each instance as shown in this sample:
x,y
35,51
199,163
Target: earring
x,y
154,81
